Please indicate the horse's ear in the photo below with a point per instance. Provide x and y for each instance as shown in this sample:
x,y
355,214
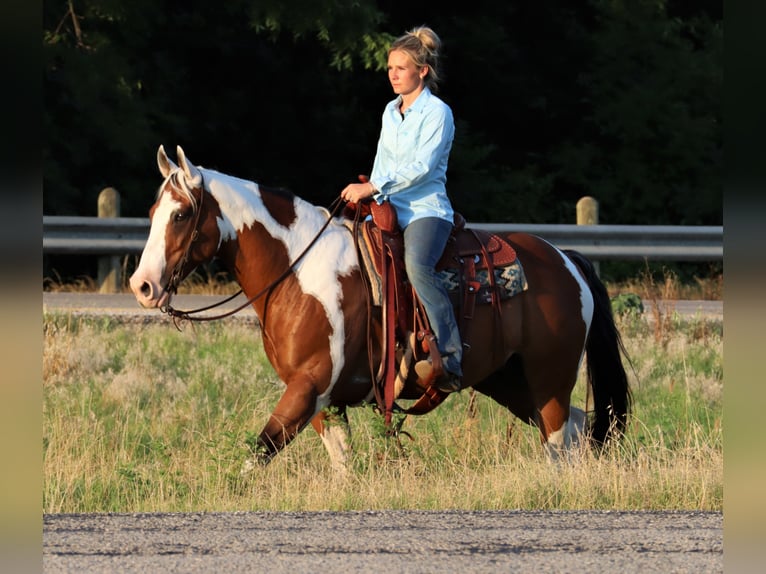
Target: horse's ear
x,y
164,162
193,175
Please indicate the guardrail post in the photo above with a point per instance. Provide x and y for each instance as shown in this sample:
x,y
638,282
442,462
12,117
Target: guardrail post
x,y
587,214
109,271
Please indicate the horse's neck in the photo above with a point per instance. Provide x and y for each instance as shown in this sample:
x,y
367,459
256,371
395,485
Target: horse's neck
x,y
264,236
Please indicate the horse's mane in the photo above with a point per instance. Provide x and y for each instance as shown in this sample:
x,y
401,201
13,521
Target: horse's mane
x,y
179,184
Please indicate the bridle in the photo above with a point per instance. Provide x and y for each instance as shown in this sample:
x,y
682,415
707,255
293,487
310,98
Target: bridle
x,y
176,277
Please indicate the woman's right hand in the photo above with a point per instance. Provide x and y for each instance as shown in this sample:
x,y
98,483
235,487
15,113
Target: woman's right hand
x,y
356,192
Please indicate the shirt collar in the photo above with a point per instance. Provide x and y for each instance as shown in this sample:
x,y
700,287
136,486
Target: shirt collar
x,y
418,105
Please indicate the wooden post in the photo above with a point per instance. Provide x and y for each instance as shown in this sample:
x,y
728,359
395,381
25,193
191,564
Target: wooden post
x,y
587,214
109,271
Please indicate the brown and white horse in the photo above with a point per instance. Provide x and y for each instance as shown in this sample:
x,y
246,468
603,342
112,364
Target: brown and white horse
x,y
302,266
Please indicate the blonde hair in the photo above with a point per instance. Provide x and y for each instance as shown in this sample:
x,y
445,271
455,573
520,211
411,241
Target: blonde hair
x,y
422,45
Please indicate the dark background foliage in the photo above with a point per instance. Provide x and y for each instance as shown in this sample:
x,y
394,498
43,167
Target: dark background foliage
x,y
553,100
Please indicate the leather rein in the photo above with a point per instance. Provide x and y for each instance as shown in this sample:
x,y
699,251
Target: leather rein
x,y
175,276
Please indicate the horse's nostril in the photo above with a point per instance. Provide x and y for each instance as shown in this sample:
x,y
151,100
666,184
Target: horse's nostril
x,y
146,289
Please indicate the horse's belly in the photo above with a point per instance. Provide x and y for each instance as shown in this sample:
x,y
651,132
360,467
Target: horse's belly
x,y
489,340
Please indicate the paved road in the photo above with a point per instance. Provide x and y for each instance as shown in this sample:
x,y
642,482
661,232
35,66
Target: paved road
x,y
125,304
386,541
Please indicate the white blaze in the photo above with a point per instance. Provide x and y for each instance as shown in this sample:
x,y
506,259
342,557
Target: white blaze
x,y
152,264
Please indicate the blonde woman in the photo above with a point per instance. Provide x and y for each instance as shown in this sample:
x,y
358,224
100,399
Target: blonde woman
x,y
410,171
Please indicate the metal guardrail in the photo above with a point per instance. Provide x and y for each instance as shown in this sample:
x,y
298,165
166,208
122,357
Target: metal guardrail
x,y
70,235
627,242
100,236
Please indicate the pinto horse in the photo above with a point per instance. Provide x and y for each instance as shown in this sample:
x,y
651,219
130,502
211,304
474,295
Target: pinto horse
x,y
300,269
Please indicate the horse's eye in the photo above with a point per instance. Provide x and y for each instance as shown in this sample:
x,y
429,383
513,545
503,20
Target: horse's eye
x,y
180,216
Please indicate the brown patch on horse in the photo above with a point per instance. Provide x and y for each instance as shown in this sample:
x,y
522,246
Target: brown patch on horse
x,y
256,262
550,359
303,331
297,320
357,366
205,246
280,203
177,232
532,381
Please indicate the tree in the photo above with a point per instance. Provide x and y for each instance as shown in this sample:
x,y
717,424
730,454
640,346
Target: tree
x,y
230,81
650,145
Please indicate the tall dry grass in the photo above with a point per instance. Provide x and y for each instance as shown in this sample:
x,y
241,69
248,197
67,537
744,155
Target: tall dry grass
x,y
141,417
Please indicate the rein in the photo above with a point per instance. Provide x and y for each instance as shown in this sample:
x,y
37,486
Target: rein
x,y
179,315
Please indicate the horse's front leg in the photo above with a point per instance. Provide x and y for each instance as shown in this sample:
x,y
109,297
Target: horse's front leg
x,y
332,425
295,409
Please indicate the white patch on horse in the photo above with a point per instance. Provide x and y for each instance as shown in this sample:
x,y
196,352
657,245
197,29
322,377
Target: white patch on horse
x,y
575,425
331,257
586,297
563,443
153,256
335,438
587,305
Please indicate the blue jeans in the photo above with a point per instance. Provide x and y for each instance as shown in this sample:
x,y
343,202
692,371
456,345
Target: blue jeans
x,y
424,242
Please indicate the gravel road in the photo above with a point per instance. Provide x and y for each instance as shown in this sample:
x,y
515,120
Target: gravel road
x,y
385,541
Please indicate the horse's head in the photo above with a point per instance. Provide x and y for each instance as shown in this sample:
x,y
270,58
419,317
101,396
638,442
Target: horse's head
x,y
184,232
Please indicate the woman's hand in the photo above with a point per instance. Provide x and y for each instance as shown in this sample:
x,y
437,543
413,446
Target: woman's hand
x,y
356,192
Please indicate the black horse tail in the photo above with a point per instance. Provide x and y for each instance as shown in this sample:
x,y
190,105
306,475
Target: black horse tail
x,y
606,374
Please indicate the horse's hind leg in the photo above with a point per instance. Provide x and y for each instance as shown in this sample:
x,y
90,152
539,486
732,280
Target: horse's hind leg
x,y
561,427
560,424
524,388
333,427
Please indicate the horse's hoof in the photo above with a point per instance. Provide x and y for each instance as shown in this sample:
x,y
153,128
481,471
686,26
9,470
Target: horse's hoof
x,y
247,467
259,458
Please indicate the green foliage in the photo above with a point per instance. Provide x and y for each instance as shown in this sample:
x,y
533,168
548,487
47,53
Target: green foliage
x,y
346,29
553,101
627,304
650,143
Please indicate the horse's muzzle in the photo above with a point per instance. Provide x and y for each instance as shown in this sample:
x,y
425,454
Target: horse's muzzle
x,y
148,293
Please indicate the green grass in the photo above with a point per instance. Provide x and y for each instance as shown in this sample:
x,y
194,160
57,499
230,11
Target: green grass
x,y
147,418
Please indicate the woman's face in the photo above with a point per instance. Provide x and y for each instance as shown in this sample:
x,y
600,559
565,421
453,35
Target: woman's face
x,y
404,76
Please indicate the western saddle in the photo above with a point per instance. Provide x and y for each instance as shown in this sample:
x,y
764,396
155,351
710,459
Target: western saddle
x,y
405,325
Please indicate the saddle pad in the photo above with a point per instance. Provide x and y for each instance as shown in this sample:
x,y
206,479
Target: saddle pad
x,y
510,281
370,267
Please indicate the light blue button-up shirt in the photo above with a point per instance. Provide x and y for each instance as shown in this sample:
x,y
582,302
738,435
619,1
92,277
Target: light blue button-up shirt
x,y
410,168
